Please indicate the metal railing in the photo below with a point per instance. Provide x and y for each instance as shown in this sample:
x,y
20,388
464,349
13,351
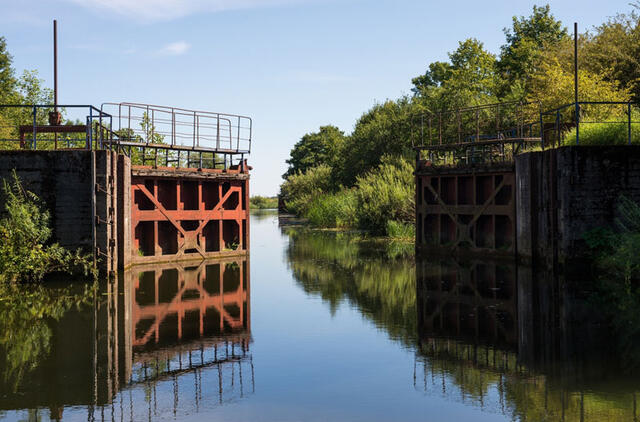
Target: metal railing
x,y
472,124
615,122
473,135
180,128
149,134
29,127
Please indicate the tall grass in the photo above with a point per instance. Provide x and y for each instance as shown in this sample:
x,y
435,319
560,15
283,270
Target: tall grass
x,y
264,202
386,194
299,190
334,210
382,201
611,133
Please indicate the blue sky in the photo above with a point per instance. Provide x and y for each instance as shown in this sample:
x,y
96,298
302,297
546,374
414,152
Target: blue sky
x,y
292,65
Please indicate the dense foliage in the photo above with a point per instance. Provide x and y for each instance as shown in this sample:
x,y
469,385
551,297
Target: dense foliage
x,y
263,202
329,172
25,252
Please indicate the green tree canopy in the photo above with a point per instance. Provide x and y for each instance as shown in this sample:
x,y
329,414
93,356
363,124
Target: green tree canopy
x,y
314,149
526,38
469,78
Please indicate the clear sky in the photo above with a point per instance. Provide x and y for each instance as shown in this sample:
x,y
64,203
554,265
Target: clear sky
x,y
292,65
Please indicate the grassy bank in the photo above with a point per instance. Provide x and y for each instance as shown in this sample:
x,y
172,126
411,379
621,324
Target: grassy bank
x,y
264,202
381,201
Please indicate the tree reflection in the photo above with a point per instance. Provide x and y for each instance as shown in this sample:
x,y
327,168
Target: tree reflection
x,y
377,277
26,312
531,345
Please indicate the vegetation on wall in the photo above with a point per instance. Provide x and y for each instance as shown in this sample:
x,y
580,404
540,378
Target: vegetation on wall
x,y
26,254
330,171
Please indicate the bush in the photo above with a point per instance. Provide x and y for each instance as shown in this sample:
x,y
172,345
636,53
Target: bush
x,y
24,233
264,202
300,189
386,193
614,133
333,209
398,230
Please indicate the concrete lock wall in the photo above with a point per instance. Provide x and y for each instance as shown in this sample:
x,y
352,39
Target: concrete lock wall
x,y
562,193
81,190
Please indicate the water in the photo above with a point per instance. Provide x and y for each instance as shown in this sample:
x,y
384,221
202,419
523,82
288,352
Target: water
x,y
316,326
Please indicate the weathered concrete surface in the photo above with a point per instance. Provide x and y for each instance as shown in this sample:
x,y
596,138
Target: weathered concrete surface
x,y
563,193
79,190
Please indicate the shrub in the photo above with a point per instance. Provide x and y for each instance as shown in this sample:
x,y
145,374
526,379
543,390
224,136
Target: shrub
x,y
399,230
300,189
264,202
333,209
24,233
386,193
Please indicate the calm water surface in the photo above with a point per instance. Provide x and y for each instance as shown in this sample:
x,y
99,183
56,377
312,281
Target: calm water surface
x,y
315,326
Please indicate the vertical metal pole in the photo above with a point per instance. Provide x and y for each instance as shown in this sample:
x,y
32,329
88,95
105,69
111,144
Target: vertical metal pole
x,y
55,66
541,130
35,123
558,128
629,121
238,136
194,129
575,80
218,132
90,129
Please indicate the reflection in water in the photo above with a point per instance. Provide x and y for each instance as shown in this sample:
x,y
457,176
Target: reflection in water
x,y
173,341
159,340
527,346
26,333
376,277
494,336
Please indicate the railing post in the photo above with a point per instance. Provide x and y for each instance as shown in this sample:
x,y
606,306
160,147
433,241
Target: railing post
x,y
558,128
218,132
629,121
541,131
238,136
173,126
35,124
101,137
577,123
459,126
146,129
477,125
194,129
90,128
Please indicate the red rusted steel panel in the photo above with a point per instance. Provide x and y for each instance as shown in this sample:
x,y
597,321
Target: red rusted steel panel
x,y
466,209
178,214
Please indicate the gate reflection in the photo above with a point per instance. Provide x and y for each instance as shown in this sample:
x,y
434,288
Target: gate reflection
x,y
160,338
190,321
512,341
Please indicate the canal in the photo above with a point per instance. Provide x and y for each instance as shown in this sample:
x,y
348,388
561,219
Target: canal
x,y
317,326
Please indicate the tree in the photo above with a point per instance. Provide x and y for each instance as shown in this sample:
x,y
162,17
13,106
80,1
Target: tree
x,y
468,79
614,51
526,39
384,129
7,75
314,149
